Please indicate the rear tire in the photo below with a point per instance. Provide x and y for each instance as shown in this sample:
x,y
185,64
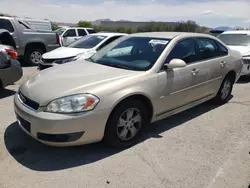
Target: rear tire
x,y
33,56
224,94
126,124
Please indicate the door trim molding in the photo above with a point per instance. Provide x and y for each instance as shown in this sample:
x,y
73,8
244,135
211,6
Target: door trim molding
x,y
168,113
197,85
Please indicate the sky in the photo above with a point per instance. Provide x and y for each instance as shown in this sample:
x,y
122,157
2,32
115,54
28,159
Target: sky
x,y
211,13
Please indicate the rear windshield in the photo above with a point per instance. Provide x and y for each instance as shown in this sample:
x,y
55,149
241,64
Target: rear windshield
x,y
235,39
88,41
6,24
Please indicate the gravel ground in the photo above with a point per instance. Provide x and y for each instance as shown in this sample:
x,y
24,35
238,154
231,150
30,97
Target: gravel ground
x,y
204,147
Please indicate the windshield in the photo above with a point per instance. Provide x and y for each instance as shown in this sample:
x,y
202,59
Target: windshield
x,y
235,39
88,41
60,31
132,53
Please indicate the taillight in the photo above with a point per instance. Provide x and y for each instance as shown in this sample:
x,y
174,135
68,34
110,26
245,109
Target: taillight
x,y
57,39
12,53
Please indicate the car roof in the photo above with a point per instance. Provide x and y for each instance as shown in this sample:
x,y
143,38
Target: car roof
x,y
109,34
237,32
168,35
80,28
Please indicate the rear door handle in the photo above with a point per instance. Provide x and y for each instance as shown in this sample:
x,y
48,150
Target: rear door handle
x,y
194,71
223,63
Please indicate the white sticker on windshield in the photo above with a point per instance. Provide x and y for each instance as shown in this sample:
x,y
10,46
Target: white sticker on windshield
x,y
154,41
100,37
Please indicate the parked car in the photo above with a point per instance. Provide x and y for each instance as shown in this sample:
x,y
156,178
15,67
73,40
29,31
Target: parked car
x,y
10,68
82,48
114,94
69,35
240,41
30,43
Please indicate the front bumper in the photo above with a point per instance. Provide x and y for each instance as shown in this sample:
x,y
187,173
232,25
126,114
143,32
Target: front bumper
x,y
42,66
59,129
246,67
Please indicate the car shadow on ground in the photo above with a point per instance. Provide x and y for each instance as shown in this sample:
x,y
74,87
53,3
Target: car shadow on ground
x,y
6,93
39,157
244,80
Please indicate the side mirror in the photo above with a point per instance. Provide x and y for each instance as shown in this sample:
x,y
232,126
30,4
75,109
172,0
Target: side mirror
x,y
65,35
175,63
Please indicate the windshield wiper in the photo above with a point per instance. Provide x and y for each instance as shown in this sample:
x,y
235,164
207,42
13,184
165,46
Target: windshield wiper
x,y
117,66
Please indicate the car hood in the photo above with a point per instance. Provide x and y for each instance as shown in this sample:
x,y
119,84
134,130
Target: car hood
x,y
71,78
64,52
244,50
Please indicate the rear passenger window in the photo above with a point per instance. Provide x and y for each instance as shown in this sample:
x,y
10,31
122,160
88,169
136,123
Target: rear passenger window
x,y
184,50
207,48
222,49
90,31
81,32
6,24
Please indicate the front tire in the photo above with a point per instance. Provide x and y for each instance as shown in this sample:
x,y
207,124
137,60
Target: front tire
x,y
126,124
224,94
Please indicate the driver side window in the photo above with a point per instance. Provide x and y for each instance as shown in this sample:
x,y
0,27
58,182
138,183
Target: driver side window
x,y
184,50
70,33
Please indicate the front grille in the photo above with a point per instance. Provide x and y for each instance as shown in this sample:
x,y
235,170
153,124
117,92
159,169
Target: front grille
x,y
70,137
246,61
57,61
42,67
25,124
25,100
48,60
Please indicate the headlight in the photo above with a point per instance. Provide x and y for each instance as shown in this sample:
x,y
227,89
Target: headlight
x,y
73,104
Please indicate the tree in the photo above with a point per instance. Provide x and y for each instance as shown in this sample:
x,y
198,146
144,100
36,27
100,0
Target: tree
x,y
182,26
54,26
85,24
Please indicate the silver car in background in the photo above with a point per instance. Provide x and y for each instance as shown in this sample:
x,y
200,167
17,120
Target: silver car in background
x,y
30,42
133,81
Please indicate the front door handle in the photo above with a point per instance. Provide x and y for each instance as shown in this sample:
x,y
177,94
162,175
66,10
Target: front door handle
x,y
194,71
223,63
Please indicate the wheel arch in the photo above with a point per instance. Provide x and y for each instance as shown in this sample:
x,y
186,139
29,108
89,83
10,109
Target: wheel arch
x,y
31,45
232,74
144,98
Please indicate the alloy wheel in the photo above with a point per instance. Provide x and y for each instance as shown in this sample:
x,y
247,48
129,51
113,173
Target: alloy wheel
x,y
129,124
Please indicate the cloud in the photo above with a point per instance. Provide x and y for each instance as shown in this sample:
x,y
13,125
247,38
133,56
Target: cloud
x,y
247,21
75,10
207,12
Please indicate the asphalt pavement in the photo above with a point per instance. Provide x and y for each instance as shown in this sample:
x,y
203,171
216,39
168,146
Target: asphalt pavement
x,y
205,147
